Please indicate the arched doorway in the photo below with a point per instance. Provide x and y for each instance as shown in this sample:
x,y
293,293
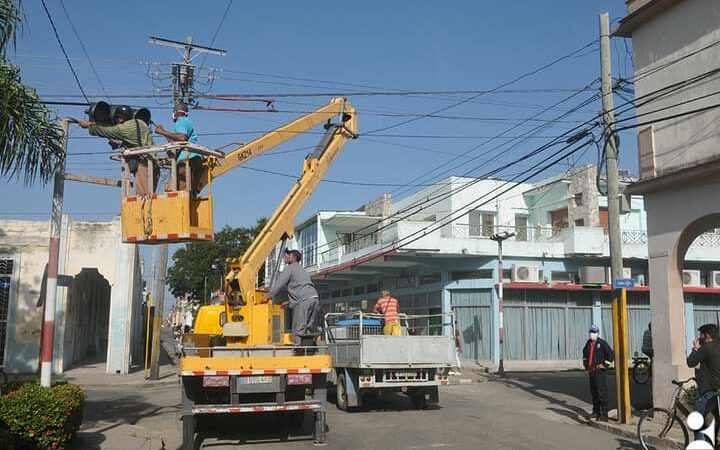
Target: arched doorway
x,y
88,315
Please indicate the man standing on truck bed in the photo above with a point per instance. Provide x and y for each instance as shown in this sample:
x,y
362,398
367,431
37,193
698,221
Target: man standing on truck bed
x,y
302,296
389,307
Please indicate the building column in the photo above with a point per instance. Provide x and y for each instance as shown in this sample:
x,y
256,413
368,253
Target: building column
x,y
597,310
690,325
668,319
121,308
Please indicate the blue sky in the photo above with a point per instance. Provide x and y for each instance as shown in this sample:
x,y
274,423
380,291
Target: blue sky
x,y
400,45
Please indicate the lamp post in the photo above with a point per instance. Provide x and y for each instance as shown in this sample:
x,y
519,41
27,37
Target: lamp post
x,y
499,238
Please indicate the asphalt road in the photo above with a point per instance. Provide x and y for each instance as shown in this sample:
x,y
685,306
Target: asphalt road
x,y
485,415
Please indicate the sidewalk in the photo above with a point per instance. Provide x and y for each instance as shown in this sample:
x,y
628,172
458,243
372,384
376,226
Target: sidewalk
x,y
568,393
127,412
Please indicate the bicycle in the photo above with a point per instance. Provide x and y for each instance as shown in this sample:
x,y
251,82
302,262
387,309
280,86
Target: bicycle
x,y
641,369
656,423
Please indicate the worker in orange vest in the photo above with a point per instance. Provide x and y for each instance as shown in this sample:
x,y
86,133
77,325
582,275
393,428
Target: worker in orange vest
x,y
389,307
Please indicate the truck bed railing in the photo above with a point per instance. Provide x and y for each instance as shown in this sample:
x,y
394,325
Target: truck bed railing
x,y
241,352
350,327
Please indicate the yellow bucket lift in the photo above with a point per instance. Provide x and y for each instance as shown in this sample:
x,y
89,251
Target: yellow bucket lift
x,y
180,216
173,215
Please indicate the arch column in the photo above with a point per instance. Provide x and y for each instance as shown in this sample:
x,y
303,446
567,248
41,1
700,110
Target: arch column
x,y
675,218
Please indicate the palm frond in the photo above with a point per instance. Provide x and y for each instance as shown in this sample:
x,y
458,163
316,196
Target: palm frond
x,y
30,138
10,22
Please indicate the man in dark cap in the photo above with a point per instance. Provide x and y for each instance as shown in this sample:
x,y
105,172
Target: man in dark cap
x,y
596,355
128,132
706,353
302,296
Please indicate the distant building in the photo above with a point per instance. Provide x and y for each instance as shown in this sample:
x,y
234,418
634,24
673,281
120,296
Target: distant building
x,y
99,303
555,268
675,58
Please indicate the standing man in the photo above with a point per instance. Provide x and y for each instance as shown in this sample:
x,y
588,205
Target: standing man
x,y
302,296
647,347
389,307
596,354
184,131
706,353
128,132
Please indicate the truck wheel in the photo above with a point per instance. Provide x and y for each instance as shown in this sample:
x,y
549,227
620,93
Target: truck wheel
x,y
419,401
341,389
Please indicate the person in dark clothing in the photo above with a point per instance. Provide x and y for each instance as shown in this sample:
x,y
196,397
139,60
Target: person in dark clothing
x,y
706,353
596,354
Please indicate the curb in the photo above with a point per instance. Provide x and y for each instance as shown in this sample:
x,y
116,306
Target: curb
x,y
620,430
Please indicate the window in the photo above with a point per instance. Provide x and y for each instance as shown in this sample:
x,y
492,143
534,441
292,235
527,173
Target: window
x,y
481,223
578,199
559,219
485,274
521,231
580,223
430,278
6,271
359,290
347,292
307,242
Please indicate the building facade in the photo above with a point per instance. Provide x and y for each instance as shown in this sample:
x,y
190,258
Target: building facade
x,y
675,54
99,302
441,259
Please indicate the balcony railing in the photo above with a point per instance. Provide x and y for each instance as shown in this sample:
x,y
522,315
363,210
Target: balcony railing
x,y
337,250
639,237
532,234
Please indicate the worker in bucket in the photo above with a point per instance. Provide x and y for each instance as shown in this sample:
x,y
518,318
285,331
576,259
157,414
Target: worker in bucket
x,y
302,296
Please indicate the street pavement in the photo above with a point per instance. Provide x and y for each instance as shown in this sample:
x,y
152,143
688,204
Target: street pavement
x,y
480,415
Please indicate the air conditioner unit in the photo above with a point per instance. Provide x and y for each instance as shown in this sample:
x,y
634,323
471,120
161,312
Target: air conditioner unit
x,y
627,273
592,275
525,274
715,279
691,278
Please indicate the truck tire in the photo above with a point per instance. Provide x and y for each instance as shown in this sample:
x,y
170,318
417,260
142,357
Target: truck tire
x,y
341,390
419,401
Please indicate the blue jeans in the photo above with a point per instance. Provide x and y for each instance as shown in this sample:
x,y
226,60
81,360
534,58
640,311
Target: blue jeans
x,y
701,406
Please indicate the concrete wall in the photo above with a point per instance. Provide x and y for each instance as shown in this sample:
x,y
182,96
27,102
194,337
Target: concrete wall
x,y
92,253
674,34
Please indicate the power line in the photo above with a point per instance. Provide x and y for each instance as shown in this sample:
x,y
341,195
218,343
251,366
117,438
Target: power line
x,y
217,32
67,58
508,83
82,46
294,177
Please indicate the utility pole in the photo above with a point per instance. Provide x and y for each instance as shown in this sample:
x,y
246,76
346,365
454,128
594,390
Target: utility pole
x,y
499,238
48,326
183,77
620,332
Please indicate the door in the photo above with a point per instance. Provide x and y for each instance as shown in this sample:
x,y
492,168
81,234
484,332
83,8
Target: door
x,y
6,272
603,213
473,312
559,220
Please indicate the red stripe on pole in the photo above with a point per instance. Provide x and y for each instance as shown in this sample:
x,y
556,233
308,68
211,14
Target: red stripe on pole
x,y
47,341
53,261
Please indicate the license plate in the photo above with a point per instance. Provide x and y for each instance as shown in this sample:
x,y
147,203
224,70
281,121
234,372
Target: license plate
x,y
255,380
406,374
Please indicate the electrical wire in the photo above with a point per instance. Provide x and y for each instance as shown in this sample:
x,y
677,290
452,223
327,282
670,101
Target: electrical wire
x,y
82,46
500,86
217,32
67,58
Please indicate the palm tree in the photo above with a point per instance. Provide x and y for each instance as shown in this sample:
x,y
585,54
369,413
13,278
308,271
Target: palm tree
x,y
30,139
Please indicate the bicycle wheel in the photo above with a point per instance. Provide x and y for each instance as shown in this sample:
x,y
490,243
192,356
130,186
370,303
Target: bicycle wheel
x,y
657,424
641,372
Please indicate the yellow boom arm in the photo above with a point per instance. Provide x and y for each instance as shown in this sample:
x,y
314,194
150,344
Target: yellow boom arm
x,y
268,141
242,297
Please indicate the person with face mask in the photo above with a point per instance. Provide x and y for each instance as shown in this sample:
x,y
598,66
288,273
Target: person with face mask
x,y
706,354
596,355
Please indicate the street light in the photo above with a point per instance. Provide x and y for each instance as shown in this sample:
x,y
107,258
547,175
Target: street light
x,y
499,238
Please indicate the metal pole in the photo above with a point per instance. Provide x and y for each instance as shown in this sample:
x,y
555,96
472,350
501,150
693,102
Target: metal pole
x,y
48,326
158,294
501,308
613,197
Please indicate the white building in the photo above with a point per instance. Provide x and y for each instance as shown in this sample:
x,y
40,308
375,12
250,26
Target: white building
x,y
98,308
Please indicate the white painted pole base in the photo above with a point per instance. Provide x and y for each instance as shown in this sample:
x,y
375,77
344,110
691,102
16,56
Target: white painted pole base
x,y
45,373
